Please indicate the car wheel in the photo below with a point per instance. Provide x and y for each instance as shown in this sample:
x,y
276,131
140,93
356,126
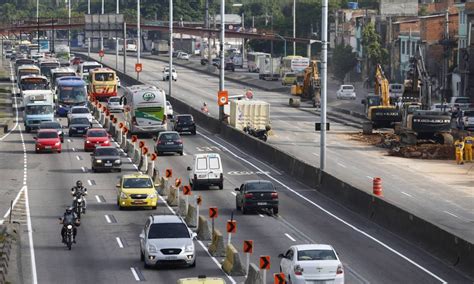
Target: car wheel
x,y
120,207
146,265
119,170
221,185
181,153
242,208
59,152
237,205
142,256
193,132
153,207
275,211
194,263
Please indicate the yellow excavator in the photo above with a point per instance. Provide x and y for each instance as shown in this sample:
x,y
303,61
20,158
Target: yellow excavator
x,y
378,109
308,84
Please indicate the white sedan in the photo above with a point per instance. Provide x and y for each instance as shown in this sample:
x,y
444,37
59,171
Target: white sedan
x,y
346,92
312,263
166,74
114,104
169,109
79,111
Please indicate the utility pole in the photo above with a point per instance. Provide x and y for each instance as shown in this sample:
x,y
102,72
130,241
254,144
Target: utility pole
x,y
294,27
69,22
208,25
124,49
101,37
170,72
139,38
117,42
37,25
446,56
324,54
88,39
222,39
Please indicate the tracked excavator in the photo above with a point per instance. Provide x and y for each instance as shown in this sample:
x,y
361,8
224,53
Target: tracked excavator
x,y
419,122
308,84
378,108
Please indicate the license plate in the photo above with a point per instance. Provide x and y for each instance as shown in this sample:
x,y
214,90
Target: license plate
x,y
47,147
185,128
261,203
138,202
171,257
80,131
169,143
108,164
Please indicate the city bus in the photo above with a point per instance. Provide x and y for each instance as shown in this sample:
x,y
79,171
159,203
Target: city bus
x,y
70,91
48,64
26,69
33,82
84,68
102,83
60,72
293,64
145,109
254,58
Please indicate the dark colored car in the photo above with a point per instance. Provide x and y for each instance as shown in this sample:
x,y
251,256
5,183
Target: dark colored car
x,y
204,61
106,158
255,195
79,126
169,141
229,66
185,123
53,125
216,62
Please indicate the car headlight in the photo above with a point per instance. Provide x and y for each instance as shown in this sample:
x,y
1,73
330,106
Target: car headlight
x,y
87,141
152,195
123,195
57,144
73,128
118,161
189,248
152,249
98,161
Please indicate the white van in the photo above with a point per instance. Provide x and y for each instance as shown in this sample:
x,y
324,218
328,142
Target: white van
x,y
206,170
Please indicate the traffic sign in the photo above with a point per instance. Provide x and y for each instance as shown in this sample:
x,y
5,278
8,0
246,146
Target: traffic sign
x,y
114,120
212,212
125,130
222,97
279,278
134,138
199,200
265,262
231,226
141,144
153,156
248,246
121,125
101,53
186,190
145,150
177,182
168,173
138,67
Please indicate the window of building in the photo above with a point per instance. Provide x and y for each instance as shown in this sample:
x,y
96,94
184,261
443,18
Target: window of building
x,y
403,48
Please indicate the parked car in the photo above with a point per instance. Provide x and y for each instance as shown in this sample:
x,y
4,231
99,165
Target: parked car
x,y
47,140
229,66
176,52
289,78
168,141
346,92
169,109
206,171
79,126
312,263
106,158
256,195
166,74
185,123
53,125
204,61
79,111
136,190
216,62
114,105
183,56
96,137
166,239
468,119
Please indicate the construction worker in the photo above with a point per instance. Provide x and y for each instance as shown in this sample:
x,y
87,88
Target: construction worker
x,y
468,145
459,148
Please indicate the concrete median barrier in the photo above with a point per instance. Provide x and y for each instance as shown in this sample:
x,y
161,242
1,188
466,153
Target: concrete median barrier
x,y
155,175
162,184
182,208
106,123
172,196
191,216
254,276
150,169
232,264
123,142
136,157
217,247
204,229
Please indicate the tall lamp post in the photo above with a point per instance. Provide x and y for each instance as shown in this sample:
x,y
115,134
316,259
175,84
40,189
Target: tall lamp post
x,y
324,54
89,39
37,24
170,70
101,37
221,75
69,22
277,35
294,27
117,41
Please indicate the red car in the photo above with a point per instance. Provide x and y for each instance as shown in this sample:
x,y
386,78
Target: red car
x,y
48,140
96,137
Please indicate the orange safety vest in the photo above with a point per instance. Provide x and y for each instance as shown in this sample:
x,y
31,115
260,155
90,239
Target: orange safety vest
x,y
459,146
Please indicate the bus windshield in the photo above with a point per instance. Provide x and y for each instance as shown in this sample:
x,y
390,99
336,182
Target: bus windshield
x,y
104,77
25,72
34,84
39,109
46,68
88,68
71,94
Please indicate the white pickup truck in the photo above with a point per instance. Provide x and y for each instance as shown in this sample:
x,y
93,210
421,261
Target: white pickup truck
x,y
461,103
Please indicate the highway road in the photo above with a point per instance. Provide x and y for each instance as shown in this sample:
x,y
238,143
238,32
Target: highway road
x,y
107,249
445,202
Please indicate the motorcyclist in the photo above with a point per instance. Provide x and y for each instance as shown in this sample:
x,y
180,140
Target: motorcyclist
x,y
249,94
69,218
204,108
79,188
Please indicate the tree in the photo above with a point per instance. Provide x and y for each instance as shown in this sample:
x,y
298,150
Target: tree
x,y
344,60
372,46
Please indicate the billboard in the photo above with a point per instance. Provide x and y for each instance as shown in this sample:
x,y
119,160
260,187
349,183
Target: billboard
x,y
104,25
43,45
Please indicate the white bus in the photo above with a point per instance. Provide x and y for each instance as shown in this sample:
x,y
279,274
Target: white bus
x,y
144,109
60,72
254,58
293,63
85,67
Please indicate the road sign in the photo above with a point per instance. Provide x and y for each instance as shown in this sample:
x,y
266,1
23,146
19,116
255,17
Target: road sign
x,y
121,125
141,144
212,212
114,120
134,138
153,156
138,67
222,97
125,130
248,246
101,53
168,173
145,150
279,278
231,226
186,190
199,200
177,182
265,262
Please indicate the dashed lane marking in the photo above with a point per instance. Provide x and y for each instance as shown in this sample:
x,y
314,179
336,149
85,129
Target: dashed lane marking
x,y
290,237
137,274
91,182
84,169
79,158
407,194
233,193
119,241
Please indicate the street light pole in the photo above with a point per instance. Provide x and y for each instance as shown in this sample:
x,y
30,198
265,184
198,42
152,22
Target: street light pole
x,y
88,39
294,27
139,39
284,40
101,37
69,22
37,25
170,70
221,75
117,42
324,55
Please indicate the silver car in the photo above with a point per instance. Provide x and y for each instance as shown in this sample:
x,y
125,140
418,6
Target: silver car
x,y
114,104
166,239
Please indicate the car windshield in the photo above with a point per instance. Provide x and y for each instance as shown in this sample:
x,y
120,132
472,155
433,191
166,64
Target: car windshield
x,y
72,94
137,183
50,125
114,100
97,133
462,101
347,88
80,120
106,152
47,134
290,75
185,118
169,137
104,77
80,110
38,110
168,231
305,255
259,186
87,68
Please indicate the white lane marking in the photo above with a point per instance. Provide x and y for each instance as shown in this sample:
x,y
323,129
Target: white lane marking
x,y
456,216
78,158
135,274
119,241
74,149
316,154
69,140
290,237
233,193
83,169
261,215
107,218
407,194
331,214
98,199
216,261
89,182
342,165
369,177
14,201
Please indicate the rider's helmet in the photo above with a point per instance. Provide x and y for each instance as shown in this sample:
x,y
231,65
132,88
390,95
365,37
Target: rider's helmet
x,y
69,210
79,183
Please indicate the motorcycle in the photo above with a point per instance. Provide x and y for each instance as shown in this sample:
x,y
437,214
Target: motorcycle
x,y
261,134
78,203
69,236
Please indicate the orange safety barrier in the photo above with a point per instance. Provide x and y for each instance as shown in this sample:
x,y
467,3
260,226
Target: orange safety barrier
x,y
377,186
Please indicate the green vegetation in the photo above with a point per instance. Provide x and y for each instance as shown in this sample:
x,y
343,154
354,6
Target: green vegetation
x,y
344,61
372,44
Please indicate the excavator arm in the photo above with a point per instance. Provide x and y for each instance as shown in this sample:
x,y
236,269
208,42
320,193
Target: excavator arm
x,y
381,86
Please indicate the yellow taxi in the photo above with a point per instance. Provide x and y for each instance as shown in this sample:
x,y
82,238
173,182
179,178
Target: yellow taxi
x,y
136,190
201,280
